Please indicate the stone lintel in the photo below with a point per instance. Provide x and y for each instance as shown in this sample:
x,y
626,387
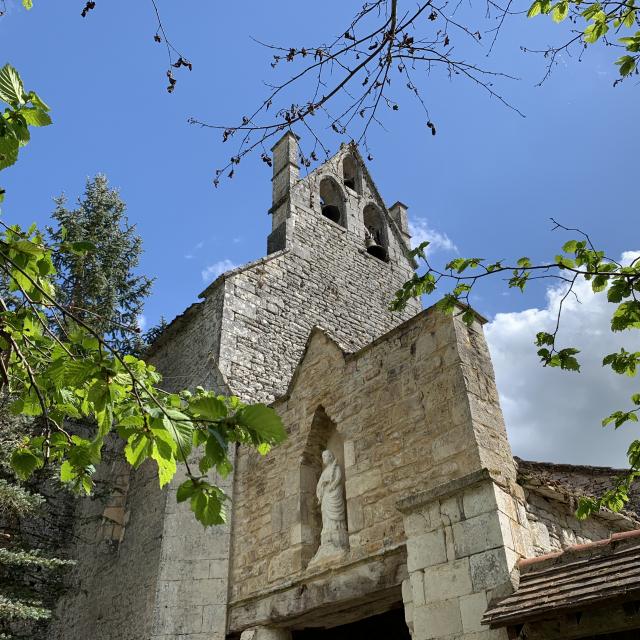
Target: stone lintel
x,y
343,592
422,498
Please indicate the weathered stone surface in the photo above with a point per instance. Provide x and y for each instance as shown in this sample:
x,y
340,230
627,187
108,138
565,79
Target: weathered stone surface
x,y
426,550
265,633
472,608
437,620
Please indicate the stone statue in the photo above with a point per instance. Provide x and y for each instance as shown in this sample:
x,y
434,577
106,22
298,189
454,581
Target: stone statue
x,y
334,539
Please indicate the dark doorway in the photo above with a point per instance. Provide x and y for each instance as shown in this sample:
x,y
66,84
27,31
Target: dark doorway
x,y
621,635
386,626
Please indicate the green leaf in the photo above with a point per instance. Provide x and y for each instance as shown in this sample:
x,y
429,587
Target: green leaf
x,y
591,11
37,101
627,65
626,316
447,304
137,450
24,462
264,421
619,418
67,473
208,408
216,446
27,405
542,338
11,89
534,9
36,116
586,507
186,490
596,30
27,4
166,463
560,11
629,19
131,421
9,148
207,504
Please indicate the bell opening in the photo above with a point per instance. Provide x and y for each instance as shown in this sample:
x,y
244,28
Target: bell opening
x,y
332,212
378,251
351,183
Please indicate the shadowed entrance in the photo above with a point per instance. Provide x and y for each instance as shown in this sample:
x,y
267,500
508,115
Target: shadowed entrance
x,y
385,626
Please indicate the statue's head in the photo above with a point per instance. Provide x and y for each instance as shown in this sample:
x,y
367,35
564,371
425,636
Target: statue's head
x,y
327,457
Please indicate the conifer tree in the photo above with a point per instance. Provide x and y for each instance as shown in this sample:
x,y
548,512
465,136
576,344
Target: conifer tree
x,y
100,286
105,292
29,569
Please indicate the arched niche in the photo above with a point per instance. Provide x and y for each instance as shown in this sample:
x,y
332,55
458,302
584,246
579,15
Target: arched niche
x,y
323,434
332,201
351,174
375,232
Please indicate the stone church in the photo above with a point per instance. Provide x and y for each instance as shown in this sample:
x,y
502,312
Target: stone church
x,y
394,510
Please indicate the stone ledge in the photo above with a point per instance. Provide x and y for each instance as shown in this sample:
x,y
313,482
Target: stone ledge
x,y
334,590
423,498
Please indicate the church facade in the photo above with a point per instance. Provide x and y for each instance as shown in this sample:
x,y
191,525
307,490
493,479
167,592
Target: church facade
x,y
394,509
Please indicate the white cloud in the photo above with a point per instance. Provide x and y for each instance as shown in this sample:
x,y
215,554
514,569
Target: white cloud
x,y
142,322
555,415
211,272
421,231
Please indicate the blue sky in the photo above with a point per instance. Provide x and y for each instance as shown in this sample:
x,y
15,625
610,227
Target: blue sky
x,y
489,180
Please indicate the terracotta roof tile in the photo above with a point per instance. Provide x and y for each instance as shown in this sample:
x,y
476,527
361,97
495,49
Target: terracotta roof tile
x,y
584,575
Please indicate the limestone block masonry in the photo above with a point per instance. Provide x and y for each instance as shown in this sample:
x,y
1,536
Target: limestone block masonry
x,y
464,539
416,408
166,577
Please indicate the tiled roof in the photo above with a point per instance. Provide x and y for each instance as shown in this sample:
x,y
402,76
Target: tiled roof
x,y
582,576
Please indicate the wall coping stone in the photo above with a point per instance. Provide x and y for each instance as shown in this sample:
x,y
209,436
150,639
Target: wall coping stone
x,y
422,498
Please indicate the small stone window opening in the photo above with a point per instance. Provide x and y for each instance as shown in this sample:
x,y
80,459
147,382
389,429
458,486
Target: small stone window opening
x,y
350,174
115,516
375,237
331,203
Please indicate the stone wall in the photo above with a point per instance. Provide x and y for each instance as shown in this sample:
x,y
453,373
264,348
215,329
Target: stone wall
x,y
112,588
554,526
416,408
552,492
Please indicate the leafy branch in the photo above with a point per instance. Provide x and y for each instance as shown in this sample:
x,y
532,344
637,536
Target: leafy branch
x,y
593,21
579,260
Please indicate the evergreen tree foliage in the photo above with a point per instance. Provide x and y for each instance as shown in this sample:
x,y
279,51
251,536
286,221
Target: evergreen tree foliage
x,y
30,580
101,285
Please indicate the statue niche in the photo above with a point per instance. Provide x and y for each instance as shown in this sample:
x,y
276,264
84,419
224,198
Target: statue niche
x,y
323,507
334,539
